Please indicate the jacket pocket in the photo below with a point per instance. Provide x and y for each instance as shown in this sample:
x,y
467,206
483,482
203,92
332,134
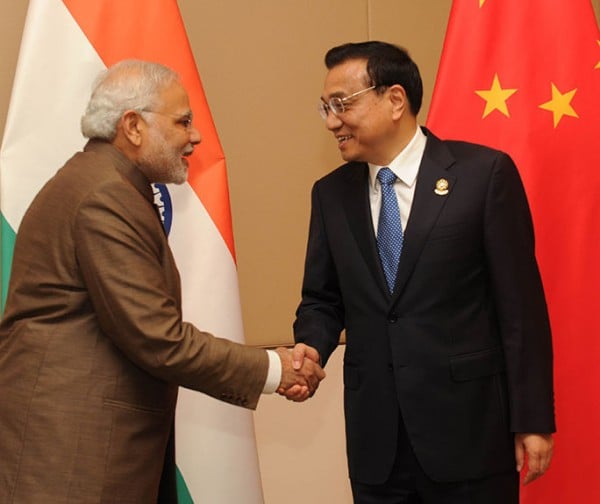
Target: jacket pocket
x,y
112,403
477,364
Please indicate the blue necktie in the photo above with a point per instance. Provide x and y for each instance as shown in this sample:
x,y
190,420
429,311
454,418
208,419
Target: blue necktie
x,y
389,228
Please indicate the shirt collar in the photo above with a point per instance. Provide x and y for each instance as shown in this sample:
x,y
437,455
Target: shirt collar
x,y
406,164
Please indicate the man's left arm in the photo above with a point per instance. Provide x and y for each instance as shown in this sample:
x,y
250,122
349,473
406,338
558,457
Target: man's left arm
x,y
522,317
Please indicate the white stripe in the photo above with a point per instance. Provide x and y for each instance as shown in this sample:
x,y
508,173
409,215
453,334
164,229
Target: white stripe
x,y
52,84
208,273
214,440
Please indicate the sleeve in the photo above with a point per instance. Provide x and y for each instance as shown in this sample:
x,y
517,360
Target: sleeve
x,y
320,315
520,301
274,375
133,286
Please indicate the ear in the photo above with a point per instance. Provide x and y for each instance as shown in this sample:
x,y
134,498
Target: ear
x,y
132,125
398,100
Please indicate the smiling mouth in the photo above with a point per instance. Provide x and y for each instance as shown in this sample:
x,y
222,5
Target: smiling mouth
x,y
184,158
342,139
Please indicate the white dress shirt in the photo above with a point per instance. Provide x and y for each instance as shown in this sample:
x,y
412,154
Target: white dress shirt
x,y
406,167
274,374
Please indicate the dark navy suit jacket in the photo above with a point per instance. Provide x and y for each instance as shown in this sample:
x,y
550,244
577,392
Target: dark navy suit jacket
x,y
461,351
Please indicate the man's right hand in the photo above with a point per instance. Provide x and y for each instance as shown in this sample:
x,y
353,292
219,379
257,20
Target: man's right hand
x,y
300,376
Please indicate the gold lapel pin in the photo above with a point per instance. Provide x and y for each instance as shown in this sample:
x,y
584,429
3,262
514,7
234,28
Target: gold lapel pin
x,y
441,187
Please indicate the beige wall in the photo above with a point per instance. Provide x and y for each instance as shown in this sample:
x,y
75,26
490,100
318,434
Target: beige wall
x,y
261,65
267,59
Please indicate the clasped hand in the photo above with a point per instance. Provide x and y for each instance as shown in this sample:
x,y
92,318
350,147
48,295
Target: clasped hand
x,y
301,372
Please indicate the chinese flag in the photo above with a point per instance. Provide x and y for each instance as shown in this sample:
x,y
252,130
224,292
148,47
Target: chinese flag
x,y
524,77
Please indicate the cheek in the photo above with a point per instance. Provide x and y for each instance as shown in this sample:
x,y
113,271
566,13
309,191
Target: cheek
x,y
173,143
364,120
367,131
374,125
182,140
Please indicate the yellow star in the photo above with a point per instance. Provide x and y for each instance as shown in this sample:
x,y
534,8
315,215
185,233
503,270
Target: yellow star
x,y
495,97
560,104
481,2
597,64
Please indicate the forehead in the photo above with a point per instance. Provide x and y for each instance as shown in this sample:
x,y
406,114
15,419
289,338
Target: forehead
x,y
174,97
346,78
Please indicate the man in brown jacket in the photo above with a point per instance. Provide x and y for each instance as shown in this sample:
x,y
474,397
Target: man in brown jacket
x,y
92,344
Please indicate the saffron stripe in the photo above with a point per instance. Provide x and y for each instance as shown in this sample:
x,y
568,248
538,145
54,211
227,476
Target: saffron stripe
x,y
160,36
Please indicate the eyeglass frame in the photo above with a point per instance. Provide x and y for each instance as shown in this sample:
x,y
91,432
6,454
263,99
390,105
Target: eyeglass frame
x,y
337,102
184,120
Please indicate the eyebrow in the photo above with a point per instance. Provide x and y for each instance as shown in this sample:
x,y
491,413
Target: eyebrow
x,y
185,117
337,94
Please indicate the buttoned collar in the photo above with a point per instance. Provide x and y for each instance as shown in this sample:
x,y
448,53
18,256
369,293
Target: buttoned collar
x,y
406,164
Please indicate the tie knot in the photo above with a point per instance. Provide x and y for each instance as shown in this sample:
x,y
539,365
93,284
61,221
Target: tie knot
x,y
386,176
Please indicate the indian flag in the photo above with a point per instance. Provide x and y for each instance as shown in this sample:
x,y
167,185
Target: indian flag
x,y
66,43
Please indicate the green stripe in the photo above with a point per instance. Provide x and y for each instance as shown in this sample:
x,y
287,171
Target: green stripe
x,y
183,494
7,242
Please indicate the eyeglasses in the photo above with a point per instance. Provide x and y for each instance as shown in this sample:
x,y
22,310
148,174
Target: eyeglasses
x,y
337,104
183,120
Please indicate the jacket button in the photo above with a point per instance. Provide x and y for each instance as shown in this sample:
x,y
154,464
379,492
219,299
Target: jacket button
x,y
392,319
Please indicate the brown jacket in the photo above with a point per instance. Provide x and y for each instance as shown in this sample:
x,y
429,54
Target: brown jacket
x,y
92,345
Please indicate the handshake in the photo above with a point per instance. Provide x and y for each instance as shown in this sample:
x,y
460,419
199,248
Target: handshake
x,y
301,372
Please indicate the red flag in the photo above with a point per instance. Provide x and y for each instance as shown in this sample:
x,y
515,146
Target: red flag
x,y
524,77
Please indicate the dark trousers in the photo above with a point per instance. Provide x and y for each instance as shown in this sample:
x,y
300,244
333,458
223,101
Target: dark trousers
x,y
408,484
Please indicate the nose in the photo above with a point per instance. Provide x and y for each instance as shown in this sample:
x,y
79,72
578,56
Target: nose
x,y
195,136
332,122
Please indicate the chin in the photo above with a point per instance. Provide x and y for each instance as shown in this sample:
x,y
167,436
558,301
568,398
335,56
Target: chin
x,y
179,176
348,156
179,180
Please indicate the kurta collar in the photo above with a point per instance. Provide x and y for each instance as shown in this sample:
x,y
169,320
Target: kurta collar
x,y
124,165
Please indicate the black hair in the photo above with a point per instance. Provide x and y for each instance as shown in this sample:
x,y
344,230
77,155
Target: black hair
x,y
387,65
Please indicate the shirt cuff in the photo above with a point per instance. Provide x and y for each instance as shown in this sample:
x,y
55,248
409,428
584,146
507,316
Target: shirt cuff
x,y
274,374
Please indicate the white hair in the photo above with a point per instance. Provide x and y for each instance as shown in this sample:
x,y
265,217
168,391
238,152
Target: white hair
x,y
127,85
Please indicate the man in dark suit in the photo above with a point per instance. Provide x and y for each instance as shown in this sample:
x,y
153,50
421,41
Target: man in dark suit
x,y
448,360
92,344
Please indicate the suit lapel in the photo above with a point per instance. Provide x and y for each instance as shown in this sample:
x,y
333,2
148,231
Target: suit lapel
x,y
358,211
425,210
426,207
